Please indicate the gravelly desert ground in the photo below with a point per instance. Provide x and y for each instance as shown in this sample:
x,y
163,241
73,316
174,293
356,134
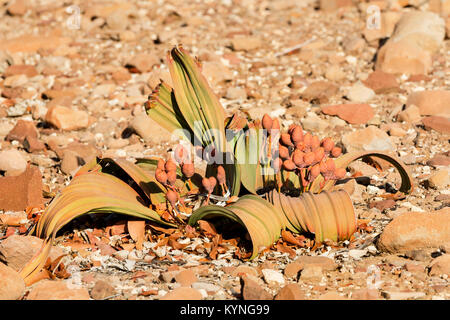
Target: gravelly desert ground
x,y
75,76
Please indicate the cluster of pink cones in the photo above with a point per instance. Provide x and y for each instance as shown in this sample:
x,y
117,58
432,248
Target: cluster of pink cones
x,y
304,154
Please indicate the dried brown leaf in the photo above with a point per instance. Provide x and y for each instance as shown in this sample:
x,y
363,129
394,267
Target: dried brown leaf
x,y
289,238
282,247
191,232
207,228
136,230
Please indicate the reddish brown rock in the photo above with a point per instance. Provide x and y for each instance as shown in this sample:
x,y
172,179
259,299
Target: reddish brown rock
x,y
102,290
84,151
440,124
26,133
70,162
243,269
12,93
28,70
186,277
319,92
22,130
56,290
22,191
251,290
292,269
325,263
16,251
382,82
12,286
414,267
440,265
33,145
382,204
431,102
67,119
439,160
416,230
352,113
290,291
183,293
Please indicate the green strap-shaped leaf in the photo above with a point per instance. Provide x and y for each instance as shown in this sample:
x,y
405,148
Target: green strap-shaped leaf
x,y
247,154
163,109
260,218
329,215
196,101
154,191
88,193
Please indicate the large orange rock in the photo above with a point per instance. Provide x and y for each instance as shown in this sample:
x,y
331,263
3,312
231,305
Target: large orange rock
x,y
13,163
409,51
431,102
403,57
11,283
416,230
440,265
252,290
424,29
290,291
440,124
22,191
56,290
367,139
16,251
